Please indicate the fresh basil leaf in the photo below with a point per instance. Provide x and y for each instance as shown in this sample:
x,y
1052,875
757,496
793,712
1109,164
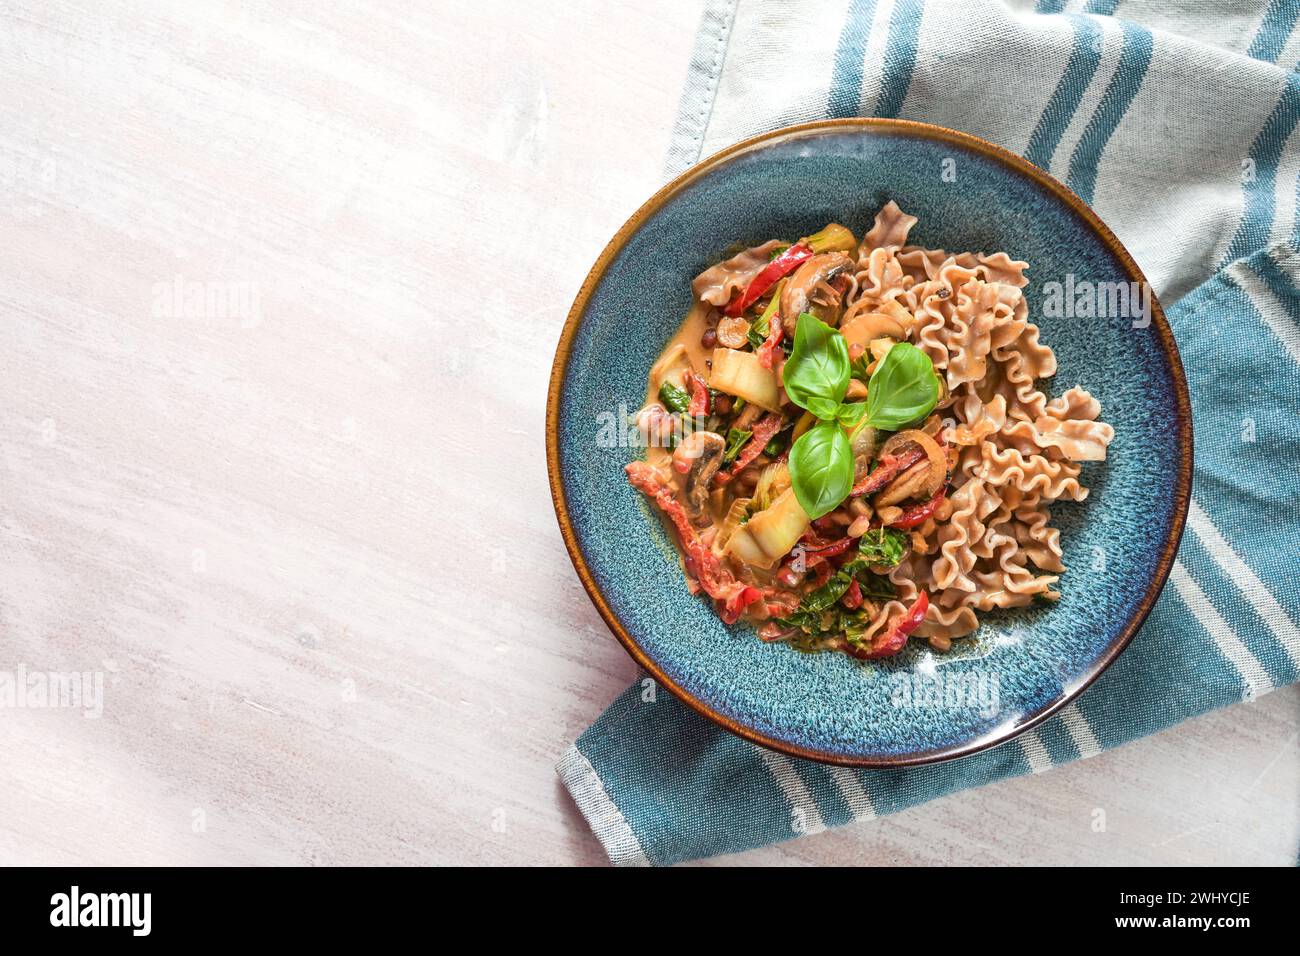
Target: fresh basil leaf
x,y
736,439
826,595
823,408
883,546
809,613
853,566
851,414
673,398
817,372
903,390
871,584
876,587
821,468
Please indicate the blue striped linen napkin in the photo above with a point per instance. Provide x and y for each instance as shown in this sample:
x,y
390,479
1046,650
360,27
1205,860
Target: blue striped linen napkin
x,y
1179,128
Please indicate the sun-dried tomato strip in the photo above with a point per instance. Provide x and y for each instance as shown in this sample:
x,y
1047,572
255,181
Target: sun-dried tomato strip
x,y
887,470
705,566
735,605
699,394
764,431
918,513
852,598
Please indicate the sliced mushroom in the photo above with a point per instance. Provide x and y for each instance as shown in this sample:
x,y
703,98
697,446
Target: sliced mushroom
x,y
826,300
703,451
892,307
748,415
799,287
880,348
910,484
864,449
922,479
861,329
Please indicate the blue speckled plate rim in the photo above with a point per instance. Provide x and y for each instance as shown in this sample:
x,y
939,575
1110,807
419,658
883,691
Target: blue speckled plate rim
x,y
1016,164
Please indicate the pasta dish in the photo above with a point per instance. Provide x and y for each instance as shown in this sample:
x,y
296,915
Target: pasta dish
x,y
849,444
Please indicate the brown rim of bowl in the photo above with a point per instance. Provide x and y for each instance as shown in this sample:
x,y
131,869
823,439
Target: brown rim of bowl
x,y
1182,489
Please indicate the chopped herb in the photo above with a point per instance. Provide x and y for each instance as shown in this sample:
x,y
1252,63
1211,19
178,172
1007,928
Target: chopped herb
x,y
736,439
883,546
819,614
673,398
828,593
830,622
762,327
876,587
824,597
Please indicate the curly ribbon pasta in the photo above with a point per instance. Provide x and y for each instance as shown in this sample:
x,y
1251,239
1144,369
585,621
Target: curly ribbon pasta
x,y
1016,452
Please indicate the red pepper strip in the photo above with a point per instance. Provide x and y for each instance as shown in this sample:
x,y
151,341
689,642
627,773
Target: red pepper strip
x,y
889,468
767,351
699,394
915,515
852,598
764,431
890,643
736,604
770,275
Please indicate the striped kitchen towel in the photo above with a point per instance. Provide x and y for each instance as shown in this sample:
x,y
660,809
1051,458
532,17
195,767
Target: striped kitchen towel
x,y
1179,128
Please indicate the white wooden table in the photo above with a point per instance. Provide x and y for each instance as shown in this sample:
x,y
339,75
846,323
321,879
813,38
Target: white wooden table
x,y
282,288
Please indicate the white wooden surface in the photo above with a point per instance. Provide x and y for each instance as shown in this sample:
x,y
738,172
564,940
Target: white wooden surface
x,y
309,544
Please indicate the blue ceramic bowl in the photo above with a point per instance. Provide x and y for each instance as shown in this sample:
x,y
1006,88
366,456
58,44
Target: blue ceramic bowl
x,y
1119,544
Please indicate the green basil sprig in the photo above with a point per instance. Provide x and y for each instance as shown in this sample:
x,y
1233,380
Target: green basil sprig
x,y
821,468
674,399
817,372
736,438
903,389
